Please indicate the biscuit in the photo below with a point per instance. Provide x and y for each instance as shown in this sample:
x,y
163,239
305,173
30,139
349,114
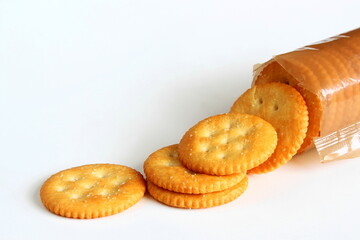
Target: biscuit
x,y
227,144
273,72
206,200
283,107
92,191
164,169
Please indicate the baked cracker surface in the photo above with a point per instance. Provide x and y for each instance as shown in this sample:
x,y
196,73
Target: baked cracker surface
x,y
283,107
92,191
227,144
164,169
206,200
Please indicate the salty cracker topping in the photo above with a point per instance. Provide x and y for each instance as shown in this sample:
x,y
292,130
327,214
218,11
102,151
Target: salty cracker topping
x,y
92,191
206,200
227,144
164,169
283,107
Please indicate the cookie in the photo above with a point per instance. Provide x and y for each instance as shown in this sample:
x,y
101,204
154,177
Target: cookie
x,y
164,169
92,191
283,107
206,200
227,144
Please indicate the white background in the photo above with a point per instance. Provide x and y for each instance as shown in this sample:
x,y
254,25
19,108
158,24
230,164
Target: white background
x,y
112,81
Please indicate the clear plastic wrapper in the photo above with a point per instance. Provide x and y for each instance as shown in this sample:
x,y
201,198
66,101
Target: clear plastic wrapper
x,y
342,144
327,74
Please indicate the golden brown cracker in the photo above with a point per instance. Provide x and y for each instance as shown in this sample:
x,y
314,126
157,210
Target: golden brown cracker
x,y
92,191
206,200
273,72
227,144
283,107
164,169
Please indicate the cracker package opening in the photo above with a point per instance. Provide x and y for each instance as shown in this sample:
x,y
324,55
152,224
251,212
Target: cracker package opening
x,y
327,74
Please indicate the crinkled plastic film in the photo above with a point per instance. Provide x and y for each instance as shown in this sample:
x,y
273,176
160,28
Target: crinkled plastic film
x,y
327,74
341,144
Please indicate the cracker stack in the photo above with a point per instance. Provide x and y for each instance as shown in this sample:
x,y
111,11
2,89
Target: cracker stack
x,y
171,183
327,74
208,167
265,128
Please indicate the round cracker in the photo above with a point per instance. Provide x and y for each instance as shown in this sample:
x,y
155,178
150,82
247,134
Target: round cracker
x,y
227,144
273,72
206,200
164,169
92,191
283,107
